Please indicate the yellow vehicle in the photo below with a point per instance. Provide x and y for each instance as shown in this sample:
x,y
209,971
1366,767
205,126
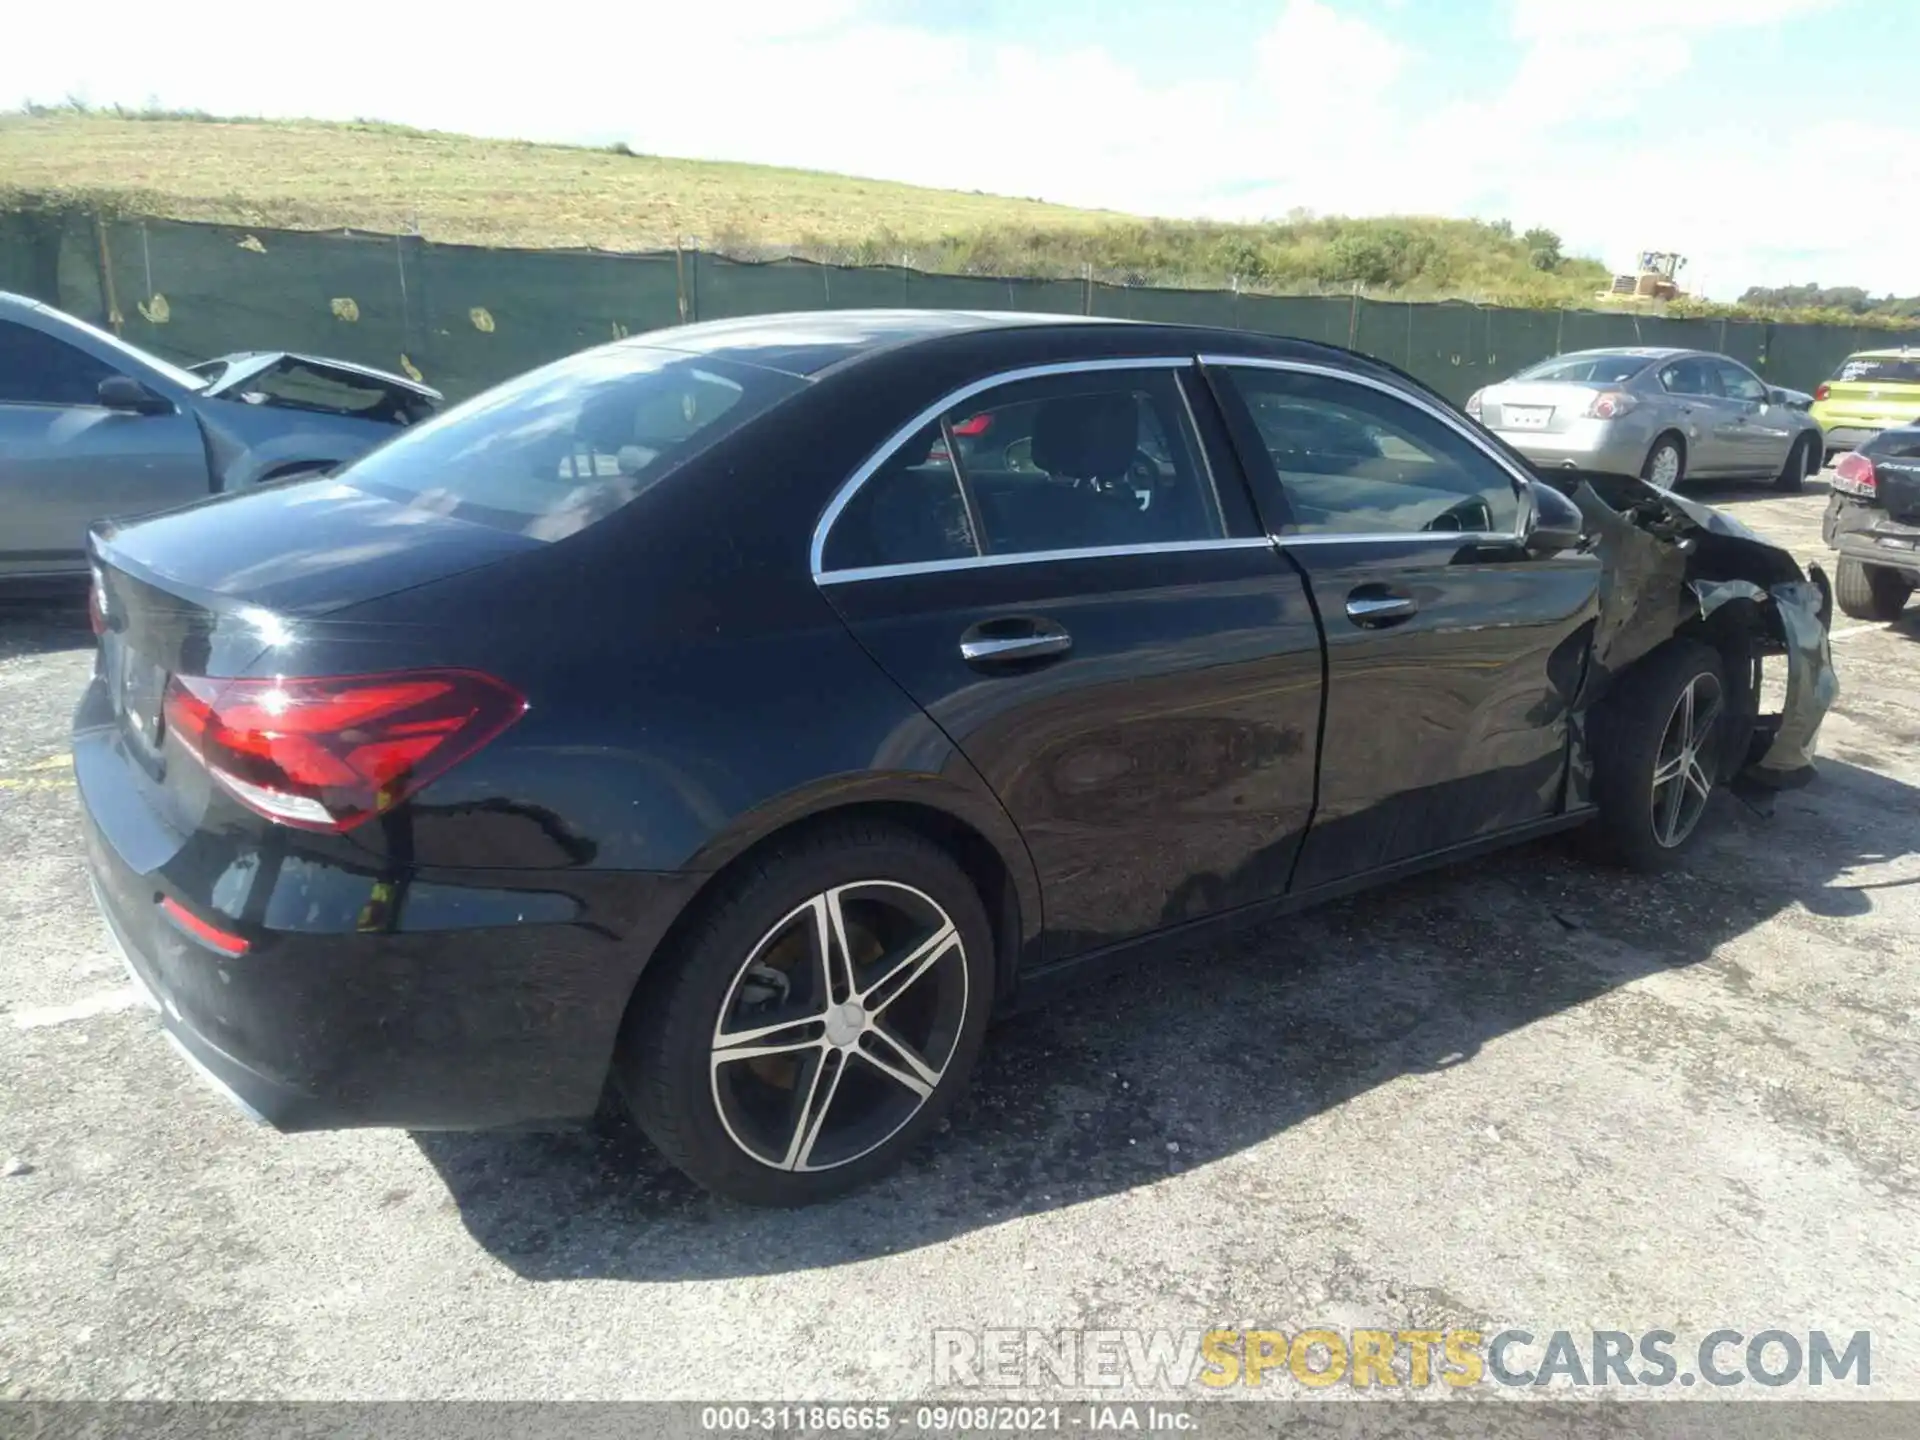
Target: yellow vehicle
x,y
1873,390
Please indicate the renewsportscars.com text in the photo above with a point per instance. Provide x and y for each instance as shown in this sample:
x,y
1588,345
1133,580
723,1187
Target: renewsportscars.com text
x,y
1318,1357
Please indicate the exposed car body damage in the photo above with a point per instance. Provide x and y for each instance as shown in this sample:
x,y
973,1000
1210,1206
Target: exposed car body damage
x,y
1672,567
285,379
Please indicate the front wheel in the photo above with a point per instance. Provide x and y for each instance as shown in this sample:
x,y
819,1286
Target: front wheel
x,y
1666,463
1870,592
1801,460
1656,754
817,1022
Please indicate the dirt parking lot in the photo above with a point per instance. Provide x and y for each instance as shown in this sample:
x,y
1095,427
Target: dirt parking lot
x,y
1520,1092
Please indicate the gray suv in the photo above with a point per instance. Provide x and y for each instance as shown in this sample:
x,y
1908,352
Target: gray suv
x,y
92,427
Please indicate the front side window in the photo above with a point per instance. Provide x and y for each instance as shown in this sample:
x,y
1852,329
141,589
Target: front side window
x,y
1740,383
1082,461
36,369
1691,376
565,446
1354,460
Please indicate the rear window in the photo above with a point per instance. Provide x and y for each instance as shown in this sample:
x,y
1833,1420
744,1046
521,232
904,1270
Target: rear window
x,y
565,446
1593,369
1884,369
1893,445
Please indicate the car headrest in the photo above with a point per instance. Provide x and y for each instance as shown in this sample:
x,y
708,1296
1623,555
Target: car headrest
x,y
1087,436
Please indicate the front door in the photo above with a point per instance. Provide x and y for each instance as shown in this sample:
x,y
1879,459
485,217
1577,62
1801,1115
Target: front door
x,y
66,461
1058,575
1452,654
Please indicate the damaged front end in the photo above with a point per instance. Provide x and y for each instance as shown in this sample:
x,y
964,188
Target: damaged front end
x,y
1672,567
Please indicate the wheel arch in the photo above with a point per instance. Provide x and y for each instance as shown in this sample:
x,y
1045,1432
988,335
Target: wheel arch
x,y
983,843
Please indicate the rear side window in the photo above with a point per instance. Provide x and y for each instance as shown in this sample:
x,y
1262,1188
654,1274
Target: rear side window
x,y
1090,461
36,369
565,446
1882,369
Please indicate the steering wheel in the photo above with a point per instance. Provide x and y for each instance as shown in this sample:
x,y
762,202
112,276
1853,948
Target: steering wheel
x,y
1469,513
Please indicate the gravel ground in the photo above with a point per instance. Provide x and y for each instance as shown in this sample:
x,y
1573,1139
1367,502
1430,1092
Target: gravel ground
x,y
1523,1091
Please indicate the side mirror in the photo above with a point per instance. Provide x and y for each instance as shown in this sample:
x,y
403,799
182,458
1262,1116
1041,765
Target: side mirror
x,y
1555,524
123,392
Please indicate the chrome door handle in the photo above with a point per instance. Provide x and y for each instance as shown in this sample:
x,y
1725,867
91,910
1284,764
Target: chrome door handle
x,y
1373,609
1016,647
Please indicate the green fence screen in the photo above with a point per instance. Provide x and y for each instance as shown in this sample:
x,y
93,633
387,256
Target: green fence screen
x,y
464,317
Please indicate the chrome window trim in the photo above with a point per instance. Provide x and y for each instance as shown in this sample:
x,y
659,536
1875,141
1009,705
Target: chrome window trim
x,y
1419,402
851,486
1034,557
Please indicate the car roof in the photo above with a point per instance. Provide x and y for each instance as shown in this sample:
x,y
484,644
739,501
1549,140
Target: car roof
x,y
808,342
1643,352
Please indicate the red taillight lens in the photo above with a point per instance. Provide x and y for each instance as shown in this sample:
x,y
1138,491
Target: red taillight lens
x,y
975,425
1609,404
329,753
1822,390
1853,473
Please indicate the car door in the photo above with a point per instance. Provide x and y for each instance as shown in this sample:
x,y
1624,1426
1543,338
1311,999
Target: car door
x,y
1053,566
66,460
1762,431
1710,421
1452,653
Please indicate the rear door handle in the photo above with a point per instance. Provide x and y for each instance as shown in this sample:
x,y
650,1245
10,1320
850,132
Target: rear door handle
x,y
1373,606
995,641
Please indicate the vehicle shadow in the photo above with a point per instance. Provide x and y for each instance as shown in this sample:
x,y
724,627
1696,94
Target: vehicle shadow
x,y
1173,1065
43,625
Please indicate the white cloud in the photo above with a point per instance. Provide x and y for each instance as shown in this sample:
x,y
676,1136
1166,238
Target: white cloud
x,y
1316,115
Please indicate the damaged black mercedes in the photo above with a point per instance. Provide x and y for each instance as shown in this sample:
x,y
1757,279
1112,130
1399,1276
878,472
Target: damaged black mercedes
x,y
741,714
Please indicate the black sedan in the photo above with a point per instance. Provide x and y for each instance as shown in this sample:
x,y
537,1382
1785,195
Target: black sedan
x,y
743,713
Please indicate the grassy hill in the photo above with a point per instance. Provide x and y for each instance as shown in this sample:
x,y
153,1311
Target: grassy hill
x,y
312,175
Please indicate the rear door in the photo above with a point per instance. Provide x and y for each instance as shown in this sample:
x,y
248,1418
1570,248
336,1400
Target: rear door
x,y
65,460
1053,567
1711,422
1452,654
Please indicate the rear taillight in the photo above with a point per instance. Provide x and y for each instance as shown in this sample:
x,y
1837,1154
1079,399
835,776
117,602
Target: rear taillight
x,y
1853,475
1609,405
97,605
976,425
1472,407
1822,390
328,753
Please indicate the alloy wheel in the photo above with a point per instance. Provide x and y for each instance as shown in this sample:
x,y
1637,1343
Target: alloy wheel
x,y
1664,470
1681,783
839,1026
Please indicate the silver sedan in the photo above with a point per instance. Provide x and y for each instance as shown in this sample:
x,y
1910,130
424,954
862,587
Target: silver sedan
x,y
1663,415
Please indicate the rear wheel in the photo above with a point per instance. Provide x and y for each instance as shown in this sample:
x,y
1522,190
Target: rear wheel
x,y
1656,754
1666,462
1801,461
1870,592
818,1021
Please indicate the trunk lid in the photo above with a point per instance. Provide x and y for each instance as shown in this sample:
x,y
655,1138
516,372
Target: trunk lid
x,y
1543,406
1870,403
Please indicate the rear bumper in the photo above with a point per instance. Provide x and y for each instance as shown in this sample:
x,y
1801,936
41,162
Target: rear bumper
x,y
1871,536
428,1000
1607,448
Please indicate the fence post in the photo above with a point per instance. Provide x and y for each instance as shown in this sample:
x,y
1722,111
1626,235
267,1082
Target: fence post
x,y
1560,331
680,278
114,318
1086,287
1353,315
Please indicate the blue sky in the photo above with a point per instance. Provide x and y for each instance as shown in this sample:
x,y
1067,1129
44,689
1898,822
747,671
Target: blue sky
x,y
1770,141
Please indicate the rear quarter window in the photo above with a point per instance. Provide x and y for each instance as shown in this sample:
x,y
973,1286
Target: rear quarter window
x,y
565,446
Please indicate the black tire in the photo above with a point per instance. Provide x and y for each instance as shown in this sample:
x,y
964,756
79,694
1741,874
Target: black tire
x,y
1667,441
1870,592
665,1066
1631,731
1792,478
